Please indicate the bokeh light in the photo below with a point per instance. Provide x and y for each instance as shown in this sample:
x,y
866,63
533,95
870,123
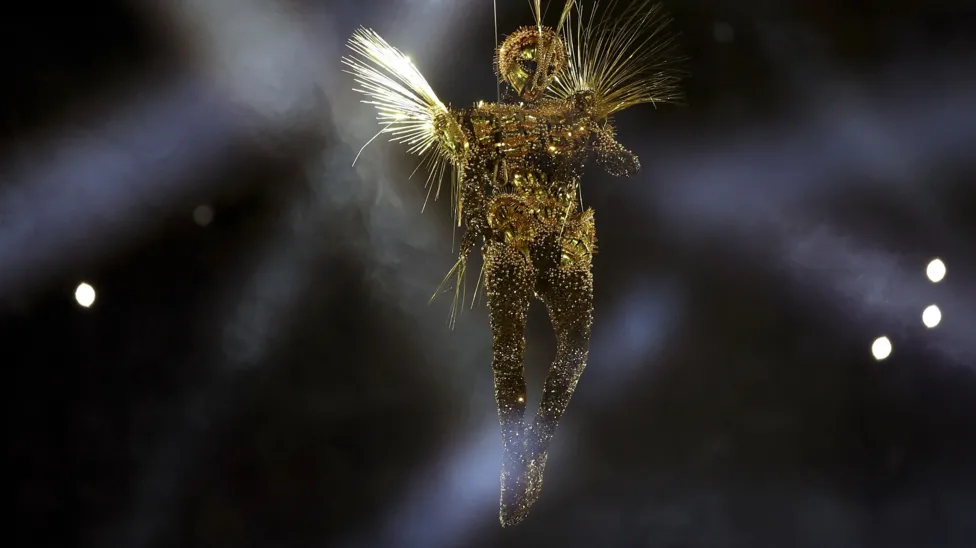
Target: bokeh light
x,y
881,348
936,270
931,316
203,215
85,295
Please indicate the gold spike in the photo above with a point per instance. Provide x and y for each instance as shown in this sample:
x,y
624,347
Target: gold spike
x,y
565,15
477,286
624,60
459,273
409,110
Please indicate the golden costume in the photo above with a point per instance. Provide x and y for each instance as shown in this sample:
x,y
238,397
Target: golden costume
x,y
516,167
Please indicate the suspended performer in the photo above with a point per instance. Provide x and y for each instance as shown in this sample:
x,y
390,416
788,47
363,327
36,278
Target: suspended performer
x,y
515,171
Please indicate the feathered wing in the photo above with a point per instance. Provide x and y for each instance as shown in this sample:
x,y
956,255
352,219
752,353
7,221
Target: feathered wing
x,y
408,109
410,113
624,60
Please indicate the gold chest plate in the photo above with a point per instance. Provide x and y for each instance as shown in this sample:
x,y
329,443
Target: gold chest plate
x,y
515,133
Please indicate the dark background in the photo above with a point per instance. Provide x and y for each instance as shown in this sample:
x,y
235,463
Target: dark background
x,y
275,378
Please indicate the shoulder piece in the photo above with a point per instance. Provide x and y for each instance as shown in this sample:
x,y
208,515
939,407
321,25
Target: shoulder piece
x,y
623,60
408,108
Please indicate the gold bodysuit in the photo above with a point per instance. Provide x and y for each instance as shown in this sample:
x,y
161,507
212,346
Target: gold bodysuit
x,y
520,192
518,166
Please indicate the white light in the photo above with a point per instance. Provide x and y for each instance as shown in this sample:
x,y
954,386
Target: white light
x,y
936,270
85,295
881,348
931,316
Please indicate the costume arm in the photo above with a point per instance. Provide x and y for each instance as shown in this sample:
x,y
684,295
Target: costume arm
x,y
474,202
617,160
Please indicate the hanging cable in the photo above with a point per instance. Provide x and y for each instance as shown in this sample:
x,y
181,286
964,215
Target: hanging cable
x,y
498,85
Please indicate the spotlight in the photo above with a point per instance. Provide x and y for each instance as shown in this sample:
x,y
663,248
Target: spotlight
x,y
931,316
85,295
881,348
936,270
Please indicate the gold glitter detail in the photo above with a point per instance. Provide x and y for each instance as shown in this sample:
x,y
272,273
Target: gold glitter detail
x,y
516,190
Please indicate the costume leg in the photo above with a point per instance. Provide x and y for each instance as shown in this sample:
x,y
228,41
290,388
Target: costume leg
x,y
509,278
570,301
568,294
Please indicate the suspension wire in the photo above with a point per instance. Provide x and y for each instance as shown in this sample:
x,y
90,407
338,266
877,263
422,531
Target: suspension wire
x,y
498,85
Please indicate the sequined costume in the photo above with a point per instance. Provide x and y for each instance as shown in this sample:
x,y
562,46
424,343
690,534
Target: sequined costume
x,y
517,168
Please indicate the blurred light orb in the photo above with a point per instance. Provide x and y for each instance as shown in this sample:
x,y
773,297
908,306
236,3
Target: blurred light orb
x,y
936,270
203,215
723,33
85,295
931,316
881,348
